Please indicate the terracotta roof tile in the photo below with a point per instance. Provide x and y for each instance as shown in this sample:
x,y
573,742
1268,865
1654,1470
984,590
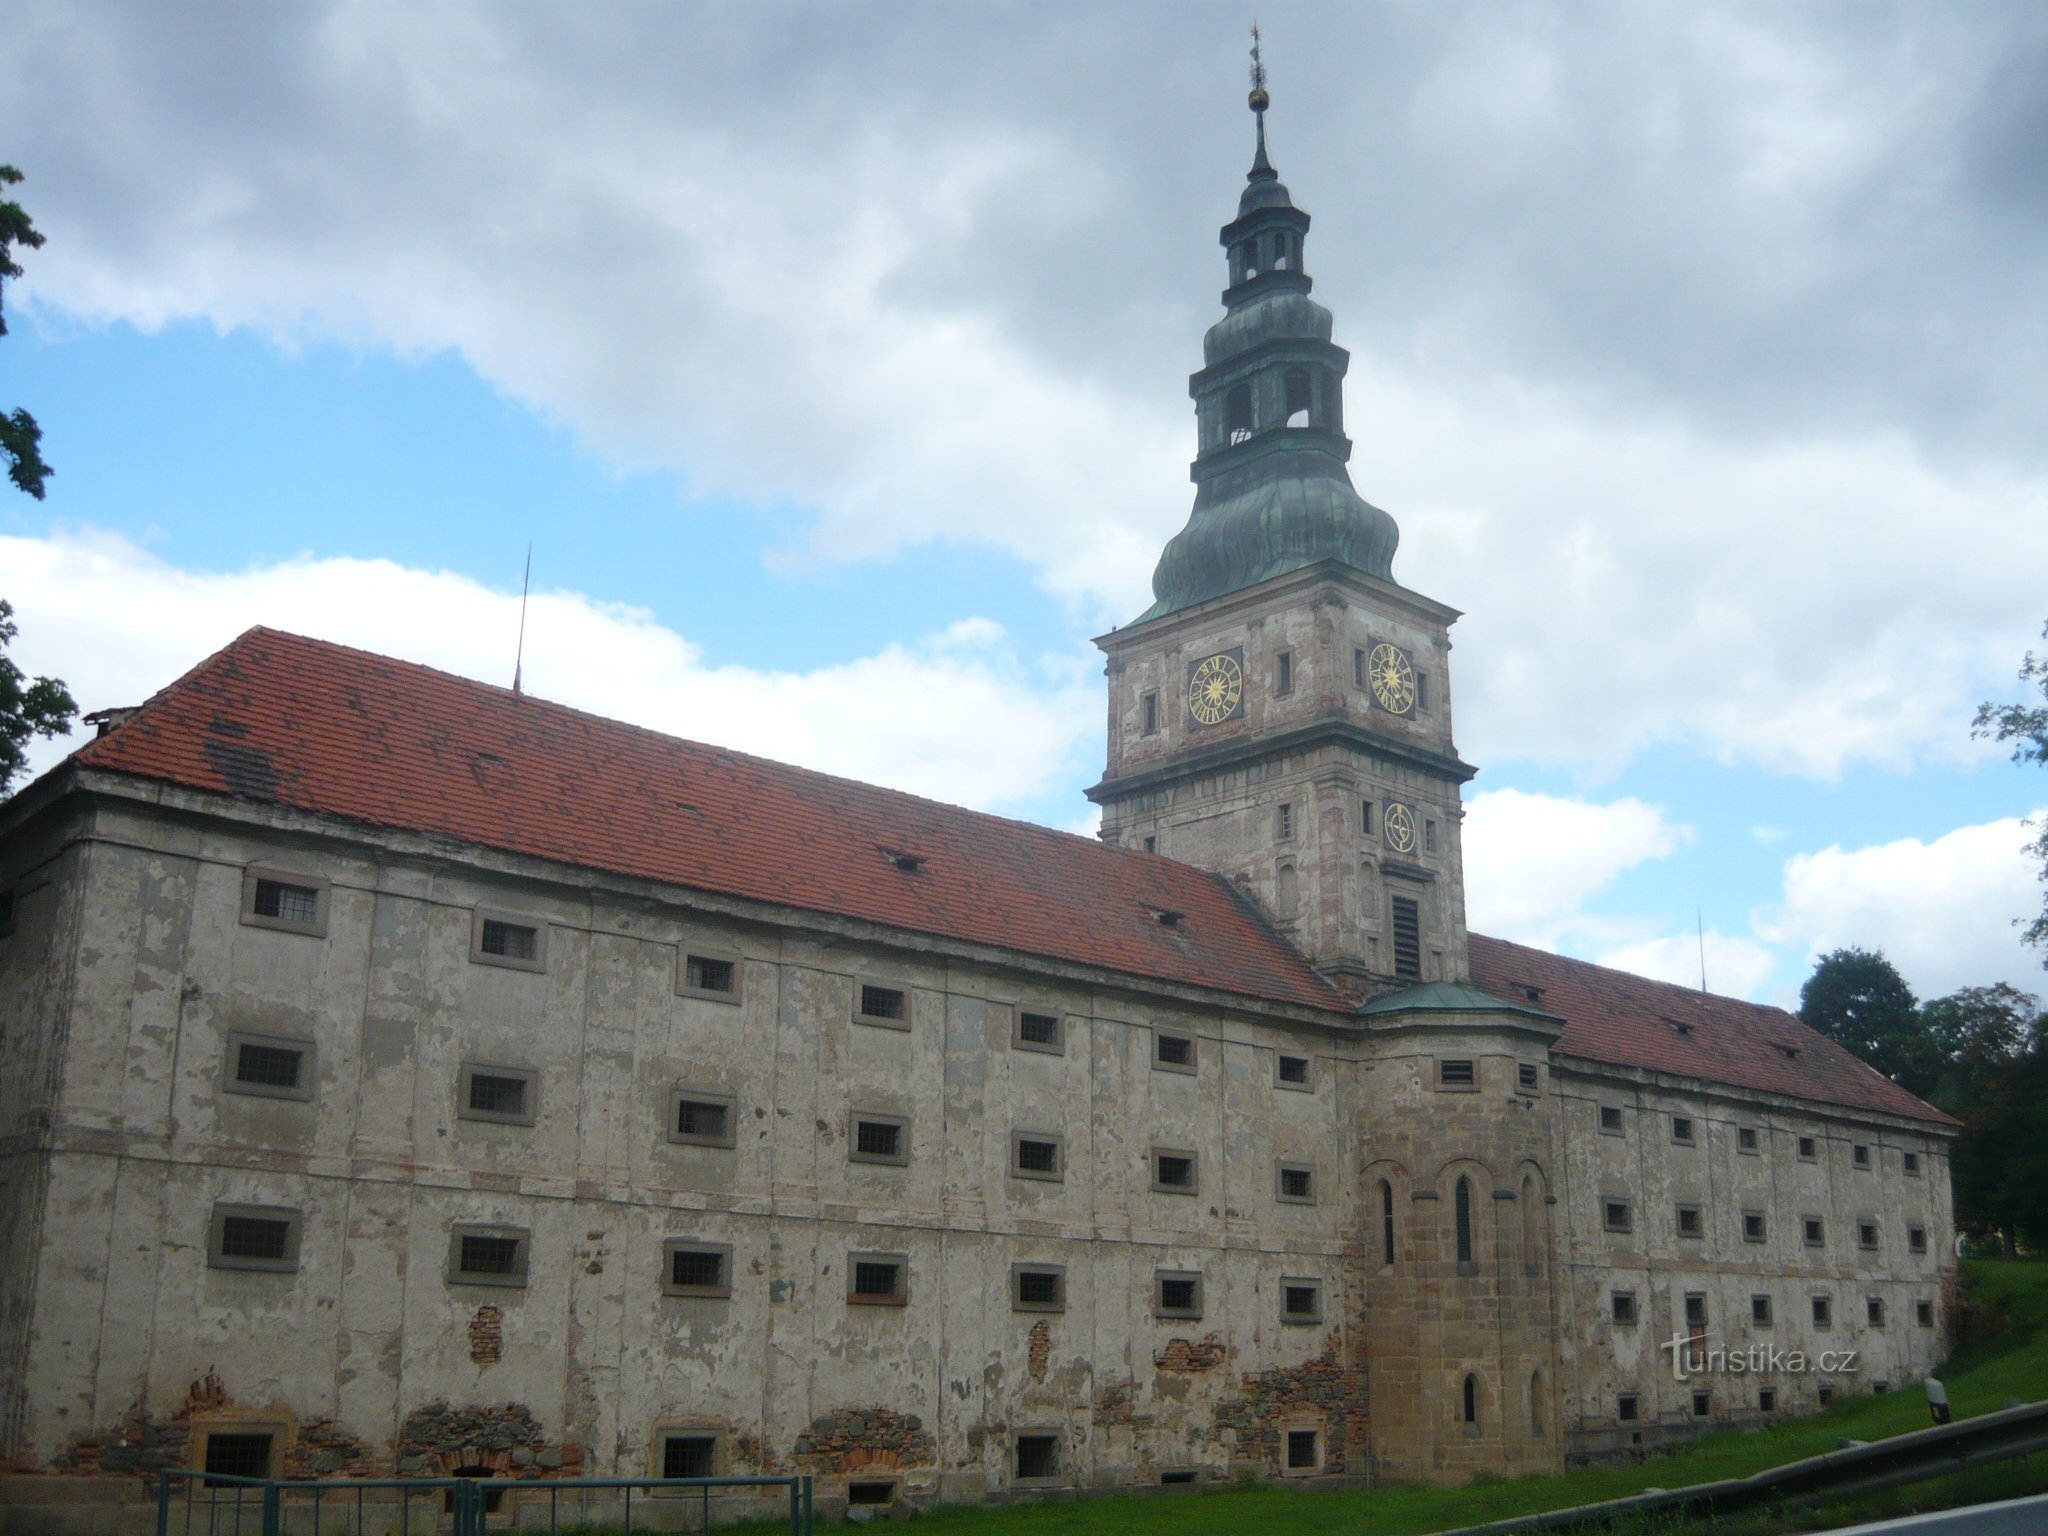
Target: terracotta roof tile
x,y
323,728
1631,1021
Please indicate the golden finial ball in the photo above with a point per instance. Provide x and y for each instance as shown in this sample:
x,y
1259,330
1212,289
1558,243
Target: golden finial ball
x,y
1260,100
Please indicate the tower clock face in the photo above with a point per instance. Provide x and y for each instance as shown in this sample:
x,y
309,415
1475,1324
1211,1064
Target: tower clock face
x,y
1216,688
1399,823
1392,677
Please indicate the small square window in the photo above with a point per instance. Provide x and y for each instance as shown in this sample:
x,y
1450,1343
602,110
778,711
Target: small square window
x,y
1695,1309
269,1066
1703,1405
1767,1399
1301,1301
1283,673
1814,1232
1174,1172
1148,713
287,902
1873,1311
1622,1307
1753,1227
878,1279
1038,1288
1690,1222
502,1095
1616,1216
1173,1053
1038,1458
1823,1312
1861,1155
689,1455
885,1007
488,1255
1745,1139
1909,1164
1626,1407
497,938
1457,1075
1916,1239
1866,1234
696,1269
700,1119
1151,844
1295,1183
1923,1313
253,1237
1037,1156
1034,1031
1826,1395
1610,1119
1304,1450
879,1138
715,978
237,1455
1809,1150
1681,1129
1760,1311
1177,1293
1527,1076
1291,1072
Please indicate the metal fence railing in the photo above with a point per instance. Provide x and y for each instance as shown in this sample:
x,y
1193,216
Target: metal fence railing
x,y
191,1503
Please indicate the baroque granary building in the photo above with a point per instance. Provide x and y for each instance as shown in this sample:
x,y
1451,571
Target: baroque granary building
x,y
405,1076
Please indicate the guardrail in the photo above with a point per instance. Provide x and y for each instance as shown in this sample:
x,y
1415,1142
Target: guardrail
x,y
192,1503
1863,1468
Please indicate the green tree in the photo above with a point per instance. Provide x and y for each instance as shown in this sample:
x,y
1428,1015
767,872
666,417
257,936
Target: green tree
x,y
1986,1039
2026,727
39,708
20,438
1858,999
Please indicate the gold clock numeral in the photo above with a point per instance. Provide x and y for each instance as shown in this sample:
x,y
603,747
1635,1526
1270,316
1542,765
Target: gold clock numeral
x,y
1215,690
1399,823
1392,676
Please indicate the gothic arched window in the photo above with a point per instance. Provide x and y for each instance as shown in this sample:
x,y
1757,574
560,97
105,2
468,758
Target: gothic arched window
x,y
1464,1217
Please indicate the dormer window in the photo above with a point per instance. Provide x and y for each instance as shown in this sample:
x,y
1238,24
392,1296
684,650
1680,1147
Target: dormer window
x,y
909,863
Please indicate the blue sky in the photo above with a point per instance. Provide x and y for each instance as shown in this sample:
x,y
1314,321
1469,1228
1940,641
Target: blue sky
x,y
839,419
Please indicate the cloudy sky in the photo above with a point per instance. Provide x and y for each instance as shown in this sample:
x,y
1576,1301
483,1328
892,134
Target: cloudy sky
x,y
832,359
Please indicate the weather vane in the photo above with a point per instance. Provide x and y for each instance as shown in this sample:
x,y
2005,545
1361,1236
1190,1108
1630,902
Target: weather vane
x,y
1259,98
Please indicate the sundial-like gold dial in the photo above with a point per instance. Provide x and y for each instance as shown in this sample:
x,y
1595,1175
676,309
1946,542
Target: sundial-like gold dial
x,y
1215,690
1399,823
1392,676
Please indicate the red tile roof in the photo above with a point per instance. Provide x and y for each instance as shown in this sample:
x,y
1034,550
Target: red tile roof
x,y
1631,1021
340,732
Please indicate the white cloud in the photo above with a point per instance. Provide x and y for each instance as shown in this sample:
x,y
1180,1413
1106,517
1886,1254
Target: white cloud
x,y
1736,966
1533,861
1942,910
959,717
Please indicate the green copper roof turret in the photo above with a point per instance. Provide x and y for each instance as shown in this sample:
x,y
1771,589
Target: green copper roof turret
x,y
1272,494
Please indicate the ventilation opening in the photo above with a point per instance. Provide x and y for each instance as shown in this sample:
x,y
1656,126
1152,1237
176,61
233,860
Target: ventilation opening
x,y
494,1498
1179,1479
870,1493
1167,918
1407,937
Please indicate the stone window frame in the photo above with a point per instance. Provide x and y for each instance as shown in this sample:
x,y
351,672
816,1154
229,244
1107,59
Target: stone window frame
x,y
1039,1434
1813,1231
1869,1237
1448,1075
470,1070
1190,1313
665,1430
1188,1068
1057,1046
731,996
1809,1149
231,1060
1284,678
1282,1167
1057,1174
1923,1312
1194,1183
1283,822
1314,1315
1695,1301
216,1230
203,1430
899,1297
1528,1077
1748,1142
1616,1308
1909,1164
1148,712
1017,1302
1860,1157
319,885
1916,1238
1613,1120
1307,1082
683,1093
862,985
1625,1223
1288,1437
671,1246
1702,1404
1696,1229
1766,1399
516,1279
1821,1308
1824,1395
901,1157
1628,1408
1873,1311
538,926
1760,1310
1762,1232
1684,1131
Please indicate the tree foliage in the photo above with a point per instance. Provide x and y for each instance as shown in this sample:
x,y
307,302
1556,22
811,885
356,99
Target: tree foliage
x,y
41,707
1858,999
2026,727
20,438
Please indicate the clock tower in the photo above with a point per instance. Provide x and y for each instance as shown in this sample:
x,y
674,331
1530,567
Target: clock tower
x,y
1282,713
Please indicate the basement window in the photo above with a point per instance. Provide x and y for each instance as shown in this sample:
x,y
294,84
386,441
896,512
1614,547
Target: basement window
x,y
1767,1400
506,941
1177,1477
289,903
255,1237
696,1269
269,1066
1173,1172
1173,1053
1037,1156
885,1007
1703,1405
488,1255
503,1095
878,1279
1304,1450
1301,1301
700,1119
689,1455
1038,1032
1622,1307
1291,1072
1176,1293
1038,1288
236,1455
879,1139
1826,1396
1038,1458
1626,1407
714,977
1295,1184
870,1493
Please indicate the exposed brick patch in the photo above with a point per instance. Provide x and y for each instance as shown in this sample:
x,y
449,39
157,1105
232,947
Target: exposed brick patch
x,y
323,1449
851,1439
1116,1402
1191,1356
487,1336
144,1444
1040,1348
437,1440
1268,1403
